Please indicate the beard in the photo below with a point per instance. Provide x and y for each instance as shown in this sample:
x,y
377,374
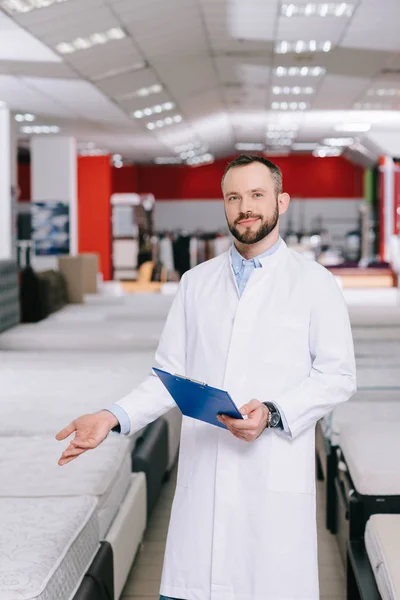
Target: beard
x,y
253,237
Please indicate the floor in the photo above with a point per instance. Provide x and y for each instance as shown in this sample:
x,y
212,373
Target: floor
x,y
144,580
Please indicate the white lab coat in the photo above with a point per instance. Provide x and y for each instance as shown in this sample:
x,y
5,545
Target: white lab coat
x,y
243,522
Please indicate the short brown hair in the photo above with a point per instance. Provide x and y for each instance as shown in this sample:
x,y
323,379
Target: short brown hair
x,y
247,159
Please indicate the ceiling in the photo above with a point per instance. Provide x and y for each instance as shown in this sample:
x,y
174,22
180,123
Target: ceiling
x,y
216,61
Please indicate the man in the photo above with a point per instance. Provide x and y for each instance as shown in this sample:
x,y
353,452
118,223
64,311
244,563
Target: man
x,y
269,326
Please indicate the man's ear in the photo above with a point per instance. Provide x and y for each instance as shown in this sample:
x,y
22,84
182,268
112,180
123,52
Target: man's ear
x,y
283,203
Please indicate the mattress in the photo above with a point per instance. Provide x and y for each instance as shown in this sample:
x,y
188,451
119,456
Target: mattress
x,y
385,406
126,532
31,470
46,546
382,542
372,451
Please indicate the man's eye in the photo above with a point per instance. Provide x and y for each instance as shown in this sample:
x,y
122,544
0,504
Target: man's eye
x,y
233,198
258,194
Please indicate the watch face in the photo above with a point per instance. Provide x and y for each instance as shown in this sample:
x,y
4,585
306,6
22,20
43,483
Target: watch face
x,y
274,421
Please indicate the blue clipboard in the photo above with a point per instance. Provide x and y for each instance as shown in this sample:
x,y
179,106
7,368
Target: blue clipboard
x,y
199,400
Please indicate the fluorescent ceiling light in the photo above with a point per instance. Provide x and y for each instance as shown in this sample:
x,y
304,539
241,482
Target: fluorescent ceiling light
x,y
163,122
289,105
152,110
304,146
168,160
273,135
113,34
372,106
302,46
281,141
25,6
384,92
299,71
278,127
353,127
327,151
339,142
292,91
314,9
20,118
200,160
38,129
249,146
189,146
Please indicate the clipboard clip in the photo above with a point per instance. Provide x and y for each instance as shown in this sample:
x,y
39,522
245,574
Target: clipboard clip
x,y
189,379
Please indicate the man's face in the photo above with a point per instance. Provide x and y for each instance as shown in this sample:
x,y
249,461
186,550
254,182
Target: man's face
x,y
251,202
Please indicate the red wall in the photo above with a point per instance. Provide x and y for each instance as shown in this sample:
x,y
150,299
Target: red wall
x,y
24,181
125,180
303,176
94,209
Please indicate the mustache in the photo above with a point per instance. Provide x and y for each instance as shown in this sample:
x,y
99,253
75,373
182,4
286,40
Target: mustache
x,y
246,217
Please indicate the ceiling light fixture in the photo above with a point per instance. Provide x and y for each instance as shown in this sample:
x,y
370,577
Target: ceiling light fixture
x,y
163,122
249,146
200,160
338,142
384,92
190,146
292,91
38,129
289,106
353,127
20,118
302,46
327,151
151,110
313,9
80,43
304,146
25,6
299,71
371,106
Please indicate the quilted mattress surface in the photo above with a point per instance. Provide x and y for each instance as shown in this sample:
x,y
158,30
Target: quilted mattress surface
x,y
46,546
30,469
372,453
382,541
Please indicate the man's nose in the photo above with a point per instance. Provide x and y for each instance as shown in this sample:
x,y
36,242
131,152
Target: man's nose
x,y
245,204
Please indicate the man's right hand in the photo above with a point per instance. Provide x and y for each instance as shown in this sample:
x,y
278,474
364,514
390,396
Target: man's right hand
x,y
90,432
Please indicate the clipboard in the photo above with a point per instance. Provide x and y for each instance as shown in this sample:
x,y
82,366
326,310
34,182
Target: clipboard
x,y
199,400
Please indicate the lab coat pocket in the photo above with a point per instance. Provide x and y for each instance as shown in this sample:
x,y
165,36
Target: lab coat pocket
x,y
186,452
292,463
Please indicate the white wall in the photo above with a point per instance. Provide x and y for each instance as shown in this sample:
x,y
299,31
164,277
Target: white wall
x,y
338,215
54,178
8,175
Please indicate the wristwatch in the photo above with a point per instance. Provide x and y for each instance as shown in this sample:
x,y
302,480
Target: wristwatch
x,y
275,419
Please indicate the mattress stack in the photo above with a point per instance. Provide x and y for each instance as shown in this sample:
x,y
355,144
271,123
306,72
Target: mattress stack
x,y
72,533
358,448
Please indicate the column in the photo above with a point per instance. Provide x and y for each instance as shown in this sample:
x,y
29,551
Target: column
x,y
54,179
8,183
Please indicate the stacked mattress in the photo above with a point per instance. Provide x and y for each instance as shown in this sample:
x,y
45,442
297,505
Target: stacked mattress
x,y
382,537
46,546
78,361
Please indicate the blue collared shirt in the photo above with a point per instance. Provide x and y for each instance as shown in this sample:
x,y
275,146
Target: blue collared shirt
x,y
242,270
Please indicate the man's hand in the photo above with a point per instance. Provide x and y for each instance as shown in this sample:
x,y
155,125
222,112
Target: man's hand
x,y
251,428
90,431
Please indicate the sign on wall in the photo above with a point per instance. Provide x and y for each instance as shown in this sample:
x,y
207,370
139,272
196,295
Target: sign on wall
x,y
50,228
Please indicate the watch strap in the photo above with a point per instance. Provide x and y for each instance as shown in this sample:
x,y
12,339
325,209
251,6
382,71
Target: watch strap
x,y
275,419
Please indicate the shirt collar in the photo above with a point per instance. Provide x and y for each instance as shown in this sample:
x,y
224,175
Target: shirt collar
x,y
238,260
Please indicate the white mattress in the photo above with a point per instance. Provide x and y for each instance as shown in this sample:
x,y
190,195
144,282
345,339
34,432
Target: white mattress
x,y
46,546
31,470
385,406
382,541
126,532
372,453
